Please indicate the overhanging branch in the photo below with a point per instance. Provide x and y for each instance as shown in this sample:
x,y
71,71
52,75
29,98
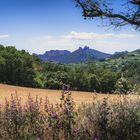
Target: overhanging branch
x,y
132,17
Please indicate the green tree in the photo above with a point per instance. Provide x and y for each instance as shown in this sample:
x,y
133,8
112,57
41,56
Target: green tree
x,y
122,85
128,13
16,67
108,81
94,83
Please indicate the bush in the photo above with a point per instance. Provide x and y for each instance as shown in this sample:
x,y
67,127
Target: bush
x,y
42,120
18,122
30,122
61,118
123,86
112,121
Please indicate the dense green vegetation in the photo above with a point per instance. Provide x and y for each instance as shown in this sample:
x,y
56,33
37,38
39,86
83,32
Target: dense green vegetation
x,y
119,74
17,67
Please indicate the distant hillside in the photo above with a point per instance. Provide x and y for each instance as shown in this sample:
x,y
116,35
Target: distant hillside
x,y
55,56
80,55
119,54
125,55
120,73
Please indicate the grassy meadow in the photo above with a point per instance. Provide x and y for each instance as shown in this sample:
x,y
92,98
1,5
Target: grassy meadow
x,y
70,70
26,114
103,102
79,97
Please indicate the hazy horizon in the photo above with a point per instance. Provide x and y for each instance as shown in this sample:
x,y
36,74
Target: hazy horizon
x,y
90,47
42,25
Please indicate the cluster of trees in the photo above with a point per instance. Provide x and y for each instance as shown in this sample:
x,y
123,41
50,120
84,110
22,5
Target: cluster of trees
x,y
94,76
21,68
17,67
85,77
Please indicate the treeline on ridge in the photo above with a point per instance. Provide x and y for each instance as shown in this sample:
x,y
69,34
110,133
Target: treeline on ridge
x,y
113,75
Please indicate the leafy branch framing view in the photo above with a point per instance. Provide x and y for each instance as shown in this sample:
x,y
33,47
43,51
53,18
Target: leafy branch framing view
x,y
106,10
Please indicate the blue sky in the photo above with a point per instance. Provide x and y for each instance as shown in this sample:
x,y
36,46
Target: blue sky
x,y
41,25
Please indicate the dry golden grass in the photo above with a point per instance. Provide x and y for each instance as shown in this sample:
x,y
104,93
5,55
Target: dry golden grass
x,y
53,95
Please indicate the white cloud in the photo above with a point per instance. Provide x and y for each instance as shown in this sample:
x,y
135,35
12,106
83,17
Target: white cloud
x,y
125,36
78,36
48,37
4,36
92,36
44,43
107,42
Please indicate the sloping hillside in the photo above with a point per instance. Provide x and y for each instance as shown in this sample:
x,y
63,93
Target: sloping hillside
x,y
80,55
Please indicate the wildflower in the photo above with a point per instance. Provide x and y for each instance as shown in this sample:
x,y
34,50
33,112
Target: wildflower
x,y
95,137
76,130
0,105
25,106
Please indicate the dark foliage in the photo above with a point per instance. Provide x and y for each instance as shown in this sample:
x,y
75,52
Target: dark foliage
x,y
128,13
21,68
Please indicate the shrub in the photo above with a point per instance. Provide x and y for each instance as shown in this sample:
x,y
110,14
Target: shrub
x,y
42,120
21,122
61,118
123,86
112,121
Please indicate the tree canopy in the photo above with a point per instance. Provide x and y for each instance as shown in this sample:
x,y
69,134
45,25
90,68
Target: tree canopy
x,y
18,67
127,13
